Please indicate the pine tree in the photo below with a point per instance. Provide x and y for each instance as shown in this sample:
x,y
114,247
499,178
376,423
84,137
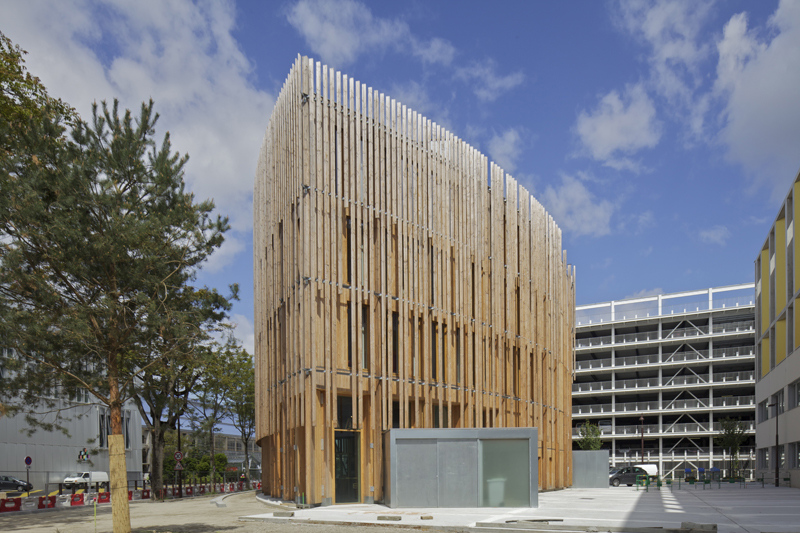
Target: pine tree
x,y
97,237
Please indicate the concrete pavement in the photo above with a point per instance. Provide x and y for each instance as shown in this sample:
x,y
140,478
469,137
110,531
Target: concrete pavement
x,y
733,509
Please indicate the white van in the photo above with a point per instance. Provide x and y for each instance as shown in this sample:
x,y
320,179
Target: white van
x,y
652,470
84,480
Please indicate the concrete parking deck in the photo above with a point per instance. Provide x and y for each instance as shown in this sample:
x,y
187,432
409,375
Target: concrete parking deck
x,y
733,509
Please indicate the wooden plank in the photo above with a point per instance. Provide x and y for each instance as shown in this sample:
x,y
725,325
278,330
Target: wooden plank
x,y
429,243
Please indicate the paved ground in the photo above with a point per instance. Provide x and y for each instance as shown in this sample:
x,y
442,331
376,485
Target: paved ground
x,y
734,509
737,510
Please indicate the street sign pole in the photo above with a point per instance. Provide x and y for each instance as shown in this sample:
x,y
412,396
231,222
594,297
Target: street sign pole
x,y
28,462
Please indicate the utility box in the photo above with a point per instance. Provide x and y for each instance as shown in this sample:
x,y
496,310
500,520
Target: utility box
x,y
491,467
590,469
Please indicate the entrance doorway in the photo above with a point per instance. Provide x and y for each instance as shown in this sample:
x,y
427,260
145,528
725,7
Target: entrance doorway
x,y
347,460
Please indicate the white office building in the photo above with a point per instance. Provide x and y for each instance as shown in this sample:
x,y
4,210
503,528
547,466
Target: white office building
x,y
665,370
55,454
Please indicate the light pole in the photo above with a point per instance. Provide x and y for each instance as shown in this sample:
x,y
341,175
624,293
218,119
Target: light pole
x,y
641,424
777,457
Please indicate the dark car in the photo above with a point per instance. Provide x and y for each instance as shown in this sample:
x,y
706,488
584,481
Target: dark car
x,y
10,483
625,475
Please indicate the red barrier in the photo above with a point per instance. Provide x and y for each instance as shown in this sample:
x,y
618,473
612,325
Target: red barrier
x,y
241,485
259,484
10,504
202,489
189,491
76,499
104,497
130,495
47,502
232,487
145,494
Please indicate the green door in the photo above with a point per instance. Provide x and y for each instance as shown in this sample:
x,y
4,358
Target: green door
x,y
347,467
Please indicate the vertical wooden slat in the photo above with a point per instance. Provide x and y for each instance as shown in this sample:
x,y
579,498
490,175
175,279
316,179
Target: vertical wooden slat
x,y
437,235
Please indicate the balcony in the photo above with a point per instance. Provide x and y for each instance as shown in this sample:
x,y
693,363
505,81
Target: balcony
x,y
690,356
664,406
746,376
747,326
652,430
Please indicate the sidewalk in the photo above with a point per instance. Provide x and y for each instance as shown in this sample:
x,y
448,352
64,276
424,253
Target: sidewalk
x,y
752,510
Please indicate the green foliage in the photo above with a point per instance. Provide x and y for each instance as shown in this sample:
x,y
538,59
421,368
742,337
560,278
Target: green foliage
x,y
732,437
241,400
589,436
23,99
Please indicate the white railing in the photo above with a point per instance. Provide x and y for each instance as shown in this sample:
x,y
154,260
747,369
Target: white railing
x,y
746,326
668,381
668,359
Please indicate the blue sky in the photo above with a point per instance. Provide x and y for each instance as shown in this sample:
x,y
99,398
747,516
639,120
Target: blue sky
x,y
661,136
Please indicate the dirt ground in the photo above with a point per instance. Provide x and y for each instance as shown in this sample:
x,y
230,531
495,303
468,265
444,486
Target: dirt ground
x,y
197,515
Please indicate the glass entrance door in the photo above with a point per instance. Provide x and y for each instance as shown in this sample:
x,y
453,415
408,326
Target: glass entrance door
x,y
346,456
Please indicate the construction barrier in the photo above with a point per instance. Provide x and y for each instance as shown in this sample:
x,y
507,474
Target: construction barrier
x,y
76,499
189,491
10,504
47,502
105,497
29,504
62,500
202,489
145,494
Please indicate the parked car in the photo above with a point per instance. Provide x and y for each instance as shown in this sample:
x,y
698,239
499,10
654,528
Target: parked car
x,y
626,474
10,483
84,480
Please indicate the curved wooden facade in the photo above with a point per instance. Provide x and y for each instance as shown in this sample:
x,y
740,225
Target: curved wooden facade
x,y
401,280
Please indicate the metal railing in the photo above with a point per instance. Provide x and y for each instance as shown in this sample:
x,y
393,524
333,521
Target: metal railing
x,y
668,381
672,358
665,405
746,326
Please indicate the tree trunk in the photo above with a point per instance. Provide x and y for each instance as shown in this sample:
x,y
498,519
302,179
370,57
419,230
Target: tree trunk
x,y
213,461
246,463
118,472
157,467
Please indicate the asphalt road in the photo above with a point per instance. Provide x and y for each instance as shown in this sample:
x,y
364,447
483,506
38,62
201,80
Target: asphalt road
x,y
197,515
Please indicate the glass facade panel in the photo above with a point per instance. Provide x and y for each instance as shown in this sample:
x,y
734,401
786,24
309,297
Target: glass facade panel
x,y
505,473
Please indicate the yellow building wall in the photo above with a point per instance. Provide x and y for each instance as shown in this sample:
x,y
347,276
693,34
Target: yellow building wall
x,y
780,341
780,266
795,198
764,290
764,356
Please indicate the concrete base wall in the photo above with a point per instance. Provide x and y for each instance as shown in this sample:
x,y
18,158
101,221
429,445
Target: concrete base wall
x,y
590,469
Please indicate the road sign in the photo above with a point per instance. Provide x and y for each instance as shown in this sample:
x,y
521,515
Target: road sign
x,y
28,461
178,466
178,456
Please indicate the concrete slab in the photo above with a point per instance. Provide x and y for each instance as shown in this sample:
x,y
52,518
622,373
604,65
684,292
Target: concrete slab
x,y
733,509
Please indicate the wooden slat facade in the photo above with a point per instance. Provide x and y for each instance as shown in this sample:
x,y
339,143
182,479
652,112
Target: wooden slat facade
x,y
402,278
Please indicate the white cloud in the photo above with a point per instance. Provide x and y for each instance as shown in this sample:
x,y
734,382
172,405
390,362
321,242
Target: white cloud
x,y
436,51
716,235
245,332
180,54
339,31
506,148
644,293
576,209
759,81
620,126
671,30
225,255
487,84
